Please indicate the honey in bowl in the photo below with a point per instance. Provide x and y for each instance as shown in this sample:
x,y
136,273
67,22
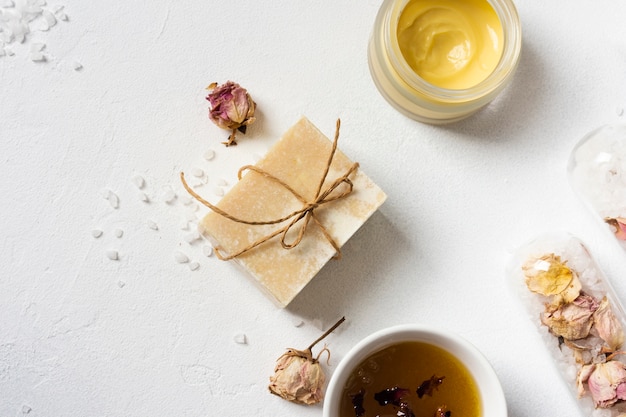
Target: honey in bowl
x,y
413,379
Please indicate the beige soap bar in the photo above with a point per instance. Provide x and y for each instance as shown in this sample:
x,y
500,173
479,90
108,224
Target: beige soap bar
x,y
299,159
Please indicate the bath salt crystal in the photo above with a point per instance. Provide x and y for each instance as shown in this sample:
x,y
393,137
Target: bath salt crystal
x,y
218,191
180,257
144,197
112,198
619,111
96,233
197,172
207,250
118,233
297,322
209,155
152,225
168,195
192,237
187,200
221,182
113,255
121,284
139,182
7,3
240,339
49,20
26,409
194,266
77,66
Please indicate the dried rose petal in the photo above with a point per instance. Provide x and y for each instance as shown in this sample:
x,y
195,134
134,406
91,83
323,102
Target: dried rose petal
x,y
573,320
429,386
606,382
298,378
608,326
232,108
619,226
391,396
550,276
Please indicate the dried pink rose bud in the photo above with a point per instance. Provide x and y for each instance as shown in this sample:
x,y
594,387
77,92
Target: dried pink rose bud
x,y
298,376
606,382
619,227
573,320
608,326
232,108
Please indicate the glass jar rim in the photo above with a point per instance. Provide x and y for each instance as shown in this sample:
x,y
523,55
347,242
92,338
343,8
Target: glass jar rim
x,y
512,44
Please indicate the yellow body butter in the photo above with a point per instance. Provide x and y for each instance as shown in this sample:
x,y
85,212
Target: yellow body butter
x,y
449,43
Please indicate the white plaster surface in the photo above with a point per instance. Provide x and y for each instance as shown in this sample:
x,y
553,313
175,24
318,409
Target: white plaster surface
x,y
120,94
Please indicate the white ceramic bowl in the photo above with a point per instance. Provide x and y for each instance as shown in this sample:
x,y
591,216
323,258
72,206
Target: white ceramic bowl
x,y
493,403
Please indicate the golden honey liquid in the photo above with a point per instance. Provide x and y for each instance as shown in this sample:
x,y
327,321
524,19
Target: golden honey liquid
x,y
450,43
408,365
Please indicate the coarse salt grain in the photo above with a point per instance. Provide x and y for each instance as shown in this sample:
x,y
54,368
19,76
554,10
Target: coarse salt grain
x,y
207,250
297,322
139,181
112,255
180,257
152,225
118,233
221,182
77,66
112,198
209,155
168,195
26,409
144,197
192,237
218,191
121,284
240,339
194,266
96,233
197,172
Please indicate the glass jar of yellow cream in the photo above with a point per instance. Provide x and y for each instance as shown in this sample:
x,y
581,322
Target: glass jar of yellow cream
x,y
439,61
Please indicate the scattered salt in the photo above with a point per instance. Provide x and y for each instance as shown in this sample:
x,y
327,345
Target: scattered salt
x,y
222,182
96,233
209,155
192,237
7,3
118,233
49,20
77,66
620,111
187,199
240,339
139,181
194,266
152,225
168,195
26,409
603,157
112,255
144,197
180,257
121,284
197,172
112,198
207,250
297,322
218,191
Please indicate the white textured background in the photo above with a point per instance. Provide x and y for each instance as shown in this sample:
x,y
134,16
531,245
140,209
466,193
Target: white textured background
x,y
81,335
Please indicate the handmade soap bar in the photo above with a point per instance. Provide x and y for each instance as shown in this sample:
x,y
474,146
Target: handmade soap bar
x,y
597,172
293,167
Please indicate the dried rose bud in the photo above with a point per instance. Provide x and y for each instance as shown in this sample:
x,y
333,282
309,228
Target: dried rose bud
x,y
232,108
608,326
550,276
298,376
573,320
606,381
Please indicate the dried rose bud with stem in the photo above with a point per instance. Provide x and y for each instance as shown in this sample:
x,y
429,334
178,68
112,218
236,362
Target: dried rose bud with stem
x,y
232,108
298,376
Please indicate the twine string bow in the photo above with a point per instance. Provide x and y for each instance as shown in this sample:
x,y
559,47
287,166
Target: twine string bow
x,y
300,217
